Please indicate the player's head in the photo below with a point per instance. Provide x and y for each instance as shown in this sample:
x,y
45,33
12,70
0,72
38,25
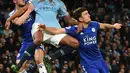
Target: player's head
x,y
20,3
81,14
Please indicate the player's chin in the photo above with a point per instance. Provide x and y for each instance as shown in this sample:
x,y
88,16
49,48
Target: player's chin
x,y
88,21
21,5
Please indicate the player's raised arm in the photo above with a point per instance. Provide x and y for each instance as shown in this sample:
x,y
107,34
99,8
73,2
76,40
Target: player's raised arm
x,y
20,20
109,26
26,10
19,12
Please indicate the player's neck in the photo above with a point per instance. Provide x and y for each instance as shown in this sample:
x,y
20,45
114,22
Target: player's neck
x,y
86,25
17,7
50,1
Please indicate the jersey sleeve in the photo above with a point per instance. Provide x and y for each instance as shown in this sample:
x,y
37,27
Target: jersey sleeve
x,y
71,30
62,10
96,25
12,26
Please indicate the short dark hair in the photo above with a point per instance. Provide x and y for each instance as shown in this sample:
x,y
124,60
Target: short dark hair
x,y
78,12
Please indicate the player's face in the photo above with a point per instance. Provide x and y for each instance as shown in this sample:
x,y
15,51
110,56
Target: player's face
x,y
85,17
19,2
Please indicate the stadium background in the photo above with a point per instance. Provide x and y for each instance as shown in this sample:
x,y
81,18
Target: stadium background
x,y
113,44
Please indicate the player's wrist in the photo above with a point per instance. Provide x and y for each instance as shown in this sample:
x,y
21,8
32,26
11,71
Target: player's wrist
x,y
79,23
9,19
113,26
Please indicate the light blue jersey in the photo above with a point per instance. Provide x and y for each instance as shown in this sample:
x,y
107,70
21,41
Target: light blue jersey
x,y
46,12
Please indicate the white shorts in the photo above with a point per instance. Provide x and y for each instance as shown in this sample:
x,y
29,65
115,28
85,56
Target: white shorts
x,y
48,38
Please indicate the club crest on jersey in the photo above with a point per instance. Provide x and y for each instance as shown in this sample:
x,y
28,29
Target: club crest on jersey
x,y
93,30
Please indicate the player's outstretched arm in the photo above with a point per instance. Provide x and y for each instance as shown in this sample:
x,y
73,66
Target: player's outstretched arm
x,y
52,30
109,26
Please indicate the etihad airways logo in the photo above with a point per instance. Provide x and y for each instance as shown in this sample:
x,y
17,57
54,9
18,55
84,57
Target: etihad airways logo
x,y
49,8
89,40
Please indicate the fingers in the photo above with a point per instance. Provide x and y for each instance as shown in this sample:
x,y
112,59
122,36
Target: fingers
x,y
117,25
7,25
80,27
79,30
41,27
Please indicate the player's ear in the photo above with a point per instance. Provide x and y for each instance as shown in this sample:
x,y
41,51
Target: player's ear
x,y
80,19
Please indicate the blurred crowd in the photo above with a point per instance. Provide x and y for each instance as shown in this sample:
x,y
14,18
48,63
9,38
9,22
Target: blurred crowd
x,y
113,44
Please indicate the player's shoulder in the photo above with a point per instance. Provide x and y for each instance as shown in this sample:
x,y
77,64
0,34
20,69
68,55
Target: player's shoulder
x,y
12,12
58,1
70,27
94,22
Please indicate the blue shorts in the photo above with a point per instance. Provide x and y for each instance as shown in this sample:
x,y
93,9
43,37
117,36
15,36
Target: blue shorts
x,y
98,66
23,48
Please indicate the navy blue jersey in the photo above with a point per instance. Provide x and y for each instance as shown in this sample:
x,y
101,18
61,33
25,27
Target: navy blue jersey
x,y
26,27
88,48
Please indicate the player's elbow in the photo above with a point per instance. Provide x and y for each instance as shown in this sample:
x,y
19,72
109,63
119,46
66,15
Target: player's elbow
x,y
57,32
19,23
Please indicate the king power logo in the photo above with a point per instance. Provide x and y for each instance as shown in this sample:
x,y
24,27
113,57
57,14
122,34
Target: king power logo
x,y
89,40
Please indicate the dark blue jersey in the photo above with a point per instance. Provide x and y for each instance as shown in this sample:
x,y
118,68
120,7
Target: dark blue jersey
x,y
88,48
26,27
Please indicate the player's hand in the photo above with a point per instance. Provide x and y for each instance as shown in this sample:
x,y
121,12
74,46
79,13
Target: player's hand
x,y
7,24
41,27
117,25
80,27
